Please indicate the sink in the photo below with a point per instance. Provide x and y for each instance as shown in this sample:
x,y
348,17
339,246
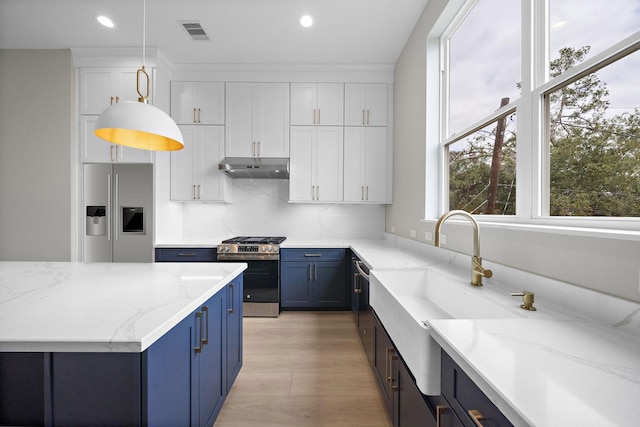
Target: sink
x,y
405,299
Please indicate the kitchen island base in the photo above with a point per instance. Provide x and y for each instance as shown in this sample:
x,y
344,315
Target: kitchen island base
x,y
183,378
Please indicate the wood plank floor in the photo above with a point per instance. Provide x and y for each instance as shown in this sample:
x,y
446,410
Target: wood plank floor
x,y
304,369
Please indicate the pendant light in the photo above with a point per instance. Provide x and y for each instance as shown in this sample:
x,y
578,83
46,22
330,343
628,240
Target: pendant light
x,y
138,124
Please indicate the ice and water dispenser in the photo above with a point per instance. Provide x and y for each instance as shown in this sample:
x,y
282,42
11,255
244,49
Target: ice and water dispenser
x,y
96,220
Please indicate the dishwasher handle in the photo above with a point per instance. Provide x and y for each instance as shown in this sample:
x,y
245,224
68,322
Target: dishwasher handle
x,y
361,271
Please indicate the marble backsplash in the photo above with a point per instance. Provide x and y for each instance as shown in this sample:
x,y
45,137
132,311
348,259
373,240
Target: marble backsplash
x,y
261,208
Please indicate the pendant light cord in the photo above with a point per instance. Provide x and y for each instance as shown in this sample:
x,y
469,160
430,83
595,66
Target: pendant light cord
x,y
144,30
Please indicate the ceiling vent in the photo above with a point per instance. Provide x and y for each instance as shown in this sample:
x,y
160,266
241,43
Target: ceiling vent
x,y
195,30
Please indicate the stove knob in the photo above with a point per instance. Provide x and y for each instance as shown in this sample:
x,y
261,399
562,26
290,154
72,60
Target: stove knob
x,y
227,248
270,248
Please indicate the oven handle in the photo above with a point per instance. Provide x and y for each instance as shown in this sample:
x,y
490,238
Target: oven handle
x,y
361,271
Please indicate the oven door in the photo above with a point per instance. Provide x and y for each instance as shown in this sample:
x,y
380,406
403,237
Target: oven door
x,y
262,281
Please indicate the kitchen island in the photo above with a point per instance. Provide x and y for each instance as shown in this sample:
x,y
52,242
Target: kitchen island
x,y
118,344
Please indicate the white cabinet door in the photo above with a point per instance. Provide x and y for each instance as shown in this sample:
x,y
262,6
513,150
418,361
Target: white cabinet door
x,y
241,115
316,164
96,150
212,180
330,104
194,169
182,169
354,164
366,104
303,104
329,163
273,120
197,103
366,165
101,87
317,104
257,117
301,164
377,165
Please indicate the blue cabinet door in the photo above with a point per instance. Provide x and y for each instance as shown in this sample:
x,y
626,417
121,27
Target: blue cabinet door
x,y
329,287
296,284
166,371
208,385
234,330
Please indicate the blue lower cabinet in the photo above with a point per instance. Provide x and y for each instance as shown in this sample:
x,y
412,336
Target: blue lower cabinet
x,y
313,279
234,331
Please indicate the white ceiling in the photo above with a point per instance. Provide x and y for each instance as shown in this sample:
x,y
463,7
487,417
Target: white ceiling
x,y
241,31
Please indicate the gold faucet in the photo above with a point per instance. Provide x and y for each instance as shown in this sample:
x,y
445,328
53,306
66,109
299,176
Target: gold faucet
x,y
477,271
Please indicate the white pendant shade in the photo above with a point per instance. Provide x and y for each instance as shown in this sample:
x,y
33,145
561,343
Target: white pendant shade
x,y
139,125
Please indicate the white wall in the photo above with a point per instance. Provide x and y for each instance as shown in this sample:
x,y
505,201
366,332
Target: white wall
x,y
607,264
37,155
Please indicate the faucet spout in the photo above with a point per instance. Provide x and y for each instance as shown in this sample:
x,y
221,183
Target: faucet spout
x,y
477,271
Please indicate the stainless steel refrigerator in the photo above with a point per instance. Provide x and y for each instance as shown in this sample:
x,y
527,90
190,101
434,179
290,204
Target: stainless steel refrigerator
x,y
118,208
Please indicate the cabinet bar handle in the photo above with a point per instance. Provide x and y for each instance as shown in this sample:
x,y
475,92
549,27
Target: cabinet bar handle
x,y
111,102
199,115
318,116
198,191
198,348
194,191
205,309
194,115
363,121
309,269
230,310
313,192
387,364
315,271
476,416
393,387
368,116
355,283
367,193
117,99
314,116
317,192
259,149
440,411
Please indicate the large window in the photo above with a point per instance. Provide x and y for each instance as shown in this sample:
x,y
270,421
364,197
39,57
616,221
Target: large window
x,y
577,100
483,52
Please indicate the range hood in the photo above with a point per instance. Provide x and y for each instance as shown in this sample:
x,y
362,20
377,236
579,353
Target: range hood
x,y
255,167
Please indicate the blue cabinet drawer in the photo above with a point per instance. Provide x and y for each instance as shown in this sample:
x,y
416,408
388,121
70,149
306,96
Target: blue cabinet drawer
x,y
186,254
315,255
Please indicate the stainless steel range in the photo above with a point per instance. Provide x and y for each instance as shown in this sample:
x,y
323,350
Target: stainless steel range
x,y
262,277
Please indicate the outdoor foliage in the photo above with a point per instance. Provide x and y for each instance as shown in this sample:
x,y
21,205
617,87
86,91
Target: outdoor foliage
x,y
594,168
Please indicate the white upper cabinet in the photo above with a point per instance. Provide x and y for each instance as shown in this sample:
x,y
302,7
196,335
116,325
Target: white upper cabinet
x,y
257,120
197,103
367,165
317,104
97,150
101,87
316,164
194,169
365,104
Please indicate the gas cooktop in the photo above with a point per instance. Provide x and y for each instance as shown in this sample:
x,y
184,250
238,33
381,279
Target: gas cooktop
x,y
255,240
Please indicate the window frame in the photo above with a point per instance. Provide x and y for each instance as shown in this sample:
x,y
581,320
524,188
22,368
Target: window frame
x,y
532,161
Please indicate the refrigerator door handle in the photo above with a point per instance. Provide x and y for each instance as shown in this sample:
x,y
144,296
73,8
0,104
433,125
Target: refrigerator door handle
x,y
108,207
115,208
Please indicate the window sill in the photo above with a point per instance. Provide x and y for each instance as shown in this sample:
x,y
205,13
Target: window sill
x,y
584,228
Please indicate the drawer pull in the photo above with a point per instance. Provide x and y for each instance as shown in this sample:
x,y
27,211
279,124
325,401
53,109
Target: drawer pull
x,y
313,255
186,254
476,416
198,348
441,410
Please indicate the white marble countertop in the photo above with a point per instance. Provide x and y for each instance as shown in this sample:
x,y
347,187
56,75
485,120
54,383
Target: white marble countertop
x,y
549,372
100,307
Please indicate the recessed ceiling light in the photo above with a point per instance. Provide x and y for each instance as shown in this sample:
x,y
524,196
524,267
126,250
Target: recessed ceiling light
x,y
107,22
306,21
